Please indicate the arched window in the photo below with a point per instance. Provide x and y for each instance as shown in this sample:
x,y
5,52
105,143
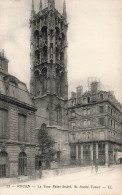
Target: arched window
x,y
44,80
36,36
37,55
22,164
57,54
62,57
44,72
3,164
57,33
58,83
44,34
59,115
63,38
45,52
62,83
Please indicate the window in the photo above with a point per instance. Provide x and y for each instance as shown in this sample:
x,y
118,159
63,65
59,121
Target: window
x,y
101,121
3,164
101,134
101,96
84,100
72,103
84,112
73,125
88,99
109,110
108,121
88,135
22,164
84,124
89,123
84,136
13,89
88,111
111,122
94,110
58,155
38,87
73,151
101,109
59,115
79,123
114,124
3,123
94,122
73,113
21,127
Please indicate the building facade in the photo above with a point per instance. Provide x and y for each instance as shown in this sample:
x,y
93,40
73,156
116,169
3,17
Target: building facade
x,y
17,125
48,83
95,118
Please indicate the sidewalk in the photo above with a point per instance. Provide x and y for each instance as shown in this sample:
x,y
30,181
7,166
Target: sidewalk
x,y
54,173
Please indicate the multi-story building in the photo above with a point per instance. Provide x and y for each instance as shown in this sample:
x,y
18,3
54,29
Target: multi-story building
x,y
95,118
17,125
48,83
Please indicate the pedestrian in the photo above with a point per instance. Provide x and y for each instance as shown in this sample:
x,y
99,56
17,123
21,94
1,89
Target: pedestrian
x,y
40,172
96,167
109,164
92,167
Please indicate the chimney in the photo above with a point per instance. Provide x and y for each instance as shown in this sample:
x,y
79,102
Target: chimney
x,y
3,62
79,93
94,87
73,94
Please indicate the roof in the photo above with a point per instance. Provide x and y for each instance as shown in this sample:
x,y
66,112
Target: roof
x,y
12,87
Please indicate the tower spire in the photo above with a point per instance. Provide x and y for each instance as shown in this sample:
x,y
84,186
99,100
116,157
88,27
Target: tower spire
x,y
64,10
51,4
32,10
40,6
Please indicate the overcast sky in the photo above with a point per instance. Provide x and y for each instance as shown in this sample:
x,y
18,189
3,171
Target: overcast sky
x,y
93,40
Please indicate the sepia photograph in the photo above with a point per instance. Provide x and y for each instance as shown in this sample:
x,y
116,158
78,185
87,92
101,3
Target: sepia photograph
x,y
61,97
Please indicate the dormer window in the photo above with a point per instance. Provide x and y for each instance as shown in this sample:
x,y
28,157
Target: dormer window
x,y
88,99
11,84
101,97
84,100
73,113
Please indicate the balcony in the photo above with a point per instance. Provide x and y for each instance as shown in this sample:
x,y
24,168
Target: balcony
x,y
78,139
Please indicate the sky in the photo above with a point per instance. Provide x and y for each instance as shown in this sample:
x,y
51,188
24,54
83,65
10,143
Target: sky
x,y
94,41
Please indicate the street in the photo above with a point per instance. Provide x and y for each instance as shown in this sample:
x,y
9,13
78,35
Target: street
x,y
106,181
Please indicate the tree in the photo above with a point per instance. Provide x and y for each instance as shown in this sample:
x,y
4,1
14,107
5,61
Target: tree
x,y
46,144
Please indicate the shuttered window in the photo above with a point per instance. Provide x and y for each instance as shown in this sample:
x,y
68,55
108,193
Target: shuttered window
x,y
3,123
21,127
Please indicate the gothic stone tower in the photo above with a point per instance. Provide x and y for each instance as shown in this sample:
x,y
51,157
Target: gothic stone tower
x,y
48,84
